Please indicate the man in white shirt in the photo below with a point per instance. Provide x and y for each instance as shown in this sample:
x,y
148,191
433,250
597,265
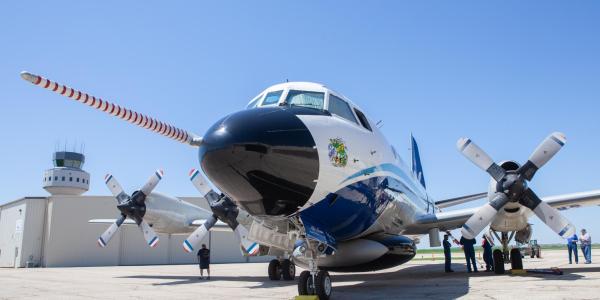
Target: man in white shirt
x,y
586,246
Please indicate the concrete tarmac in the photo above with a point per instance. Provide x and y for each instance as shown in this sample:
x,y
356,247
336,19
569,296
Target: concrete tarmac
x,y
414,280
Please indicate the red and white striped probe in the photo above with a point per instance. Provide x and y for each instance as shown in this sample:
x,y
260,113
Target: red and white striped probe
x,y
131,116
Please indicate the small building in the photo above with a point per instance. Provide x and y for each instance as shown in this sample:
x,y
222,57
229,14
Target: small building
x,y
54,231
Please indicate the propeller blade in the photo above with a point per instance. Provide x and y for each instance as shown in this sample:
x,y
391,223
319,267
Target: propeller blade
x,y
477,156
549,215
152,182
193,241
542,154
108,234
483,217
149,234
203,187
251,248
115,188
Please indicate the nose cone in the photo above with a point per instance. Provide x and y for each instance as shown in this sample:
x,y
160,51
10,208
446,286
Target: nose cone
x,y
263,158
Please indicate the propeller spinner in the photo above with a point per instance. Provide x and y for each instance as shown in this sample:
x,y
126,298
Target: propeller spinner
x,y
512,187
132,207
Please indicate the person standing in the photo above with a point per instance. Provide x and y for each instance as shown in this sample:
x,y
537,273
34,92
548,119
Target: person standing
x,y
572,248
469,250
586,246
487,254
447,254
204,261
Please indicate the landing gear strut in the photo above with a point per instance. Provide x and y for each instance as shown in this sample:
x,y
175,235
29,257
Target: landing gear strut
x,y
282,268
506,255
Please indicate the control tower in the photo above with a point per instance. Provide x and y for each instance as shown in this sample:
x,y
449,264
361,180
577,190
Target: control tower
x,y
67,177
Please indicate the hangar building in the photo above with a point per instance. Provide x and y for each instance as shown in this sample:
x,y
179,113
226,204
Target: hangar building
x,y
53,231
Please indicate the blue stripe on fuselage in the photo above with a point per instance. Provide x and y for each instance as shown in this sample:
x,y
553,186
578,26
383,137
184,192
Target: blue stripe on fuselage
x,y
355,208
388,167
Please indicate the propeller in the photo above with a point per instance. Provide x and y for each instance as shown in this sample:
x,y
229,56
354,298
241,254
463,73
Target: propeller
x,y
512,186
132,207
223,209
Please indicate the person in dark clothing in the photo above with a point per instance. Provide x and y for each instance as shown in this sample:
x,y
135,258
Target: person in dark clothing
x,y
487,254
204,261
469,253
447,254
572,248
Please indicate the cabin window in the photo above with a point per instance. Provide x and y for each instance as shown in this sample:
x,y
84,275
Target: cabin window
x,y
305,99
363,120
340,108
272,98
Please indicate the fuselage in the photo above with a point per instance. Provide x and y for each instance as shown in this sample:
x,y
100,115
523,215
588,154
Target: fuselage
x,y
303,149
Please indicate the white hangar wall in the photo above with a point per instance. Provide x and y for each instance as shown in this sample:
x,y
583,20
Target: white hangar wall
x,y
54,232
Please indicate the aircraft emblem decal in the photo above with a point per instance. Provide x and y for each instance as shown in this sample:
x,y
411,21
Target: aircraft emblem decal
x,y
337,152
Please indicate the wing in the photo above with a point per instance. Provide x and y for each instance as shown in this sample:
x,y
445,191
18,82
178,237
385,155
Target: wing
x,y
111,221
459,200
219,226
564,202
449,220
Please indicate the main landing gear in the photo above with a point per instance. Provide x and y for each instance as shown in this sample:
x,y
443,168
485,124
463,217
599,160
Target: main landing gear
x,y
282,268
506,255
318,284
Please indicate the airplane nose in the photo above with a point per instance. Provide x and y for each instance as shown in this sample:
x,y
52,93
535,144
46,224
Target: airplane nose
x,y
265,159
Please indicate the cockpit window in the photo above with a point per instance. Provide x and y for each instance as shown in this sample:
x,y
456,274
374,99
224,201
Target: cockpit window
x,y
306,99
254,101
339,107
363,119
272,98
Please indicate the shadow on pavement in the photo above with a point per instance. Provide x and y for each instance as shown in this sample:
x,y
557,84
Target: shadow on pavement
x,y
418,281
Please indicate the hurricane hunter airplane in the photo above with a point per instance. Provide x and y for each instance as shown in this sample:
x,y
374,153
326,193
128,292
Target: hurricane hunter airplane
x,y
324,190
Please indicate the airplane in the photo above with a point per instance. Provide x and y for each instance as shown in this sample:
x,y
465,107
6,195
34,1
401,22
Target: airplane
x,y
326,191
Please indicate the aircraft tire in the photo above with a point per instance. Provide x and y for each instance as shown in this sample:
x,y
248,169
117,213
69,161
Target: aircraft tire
x,y
498,261
274,270
305,284
516,262
288,269
323,286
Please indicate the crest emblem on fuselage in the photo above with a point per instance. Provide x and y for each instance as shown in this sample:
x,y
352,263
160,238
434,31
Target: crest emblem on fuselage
x,y
338,152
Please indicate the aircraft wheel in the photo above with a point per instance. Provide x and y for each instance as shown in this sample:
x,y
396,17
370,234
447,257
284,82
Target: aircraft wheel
x,y
498,261
305,284
274,270
516,262
323,285
532,253
288,269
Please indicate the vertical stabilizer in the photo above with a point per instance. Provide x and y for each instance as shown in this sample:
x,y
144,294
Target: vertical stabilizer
x,y
417,168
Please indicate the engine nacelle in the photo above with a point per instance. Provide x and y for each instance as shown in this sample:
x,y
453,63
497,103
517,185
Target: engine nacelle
x,y
168,214
372,253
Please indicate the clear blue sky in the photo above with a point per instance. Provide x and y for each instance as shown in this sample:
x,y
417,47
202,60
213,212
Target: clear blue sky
x,y
505,74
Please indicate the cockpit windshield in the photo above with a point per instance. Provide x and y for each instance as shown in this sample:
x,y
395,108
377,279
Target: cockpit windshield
x,y
306,99
254,102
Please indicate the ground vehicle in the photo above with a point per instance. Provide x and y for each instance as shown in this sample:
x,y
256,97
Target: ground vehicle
x,y
531,249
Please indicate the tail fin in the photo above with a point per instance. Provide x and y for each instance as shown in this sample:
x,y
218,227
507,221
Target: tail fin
x,y
417,168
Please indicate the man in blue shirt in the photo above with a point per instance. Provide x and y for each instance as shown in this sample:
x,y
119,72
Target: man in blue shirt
x,y
447,254
469,253
572,248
